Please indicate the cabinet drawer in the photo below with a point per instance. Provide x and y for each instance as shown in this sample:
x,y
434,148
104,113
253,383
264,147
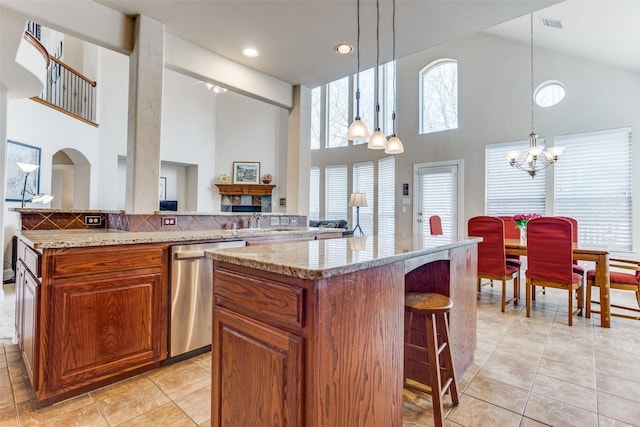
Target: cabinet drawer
x,y
270,300
30,257
100,261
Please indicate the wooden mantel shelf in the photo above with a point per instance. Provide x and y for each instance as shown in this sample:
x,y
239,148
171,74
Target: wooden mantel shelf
x,y
250,189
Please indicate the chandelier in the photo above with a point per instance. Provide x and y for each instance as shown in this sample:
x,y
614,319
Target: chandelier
x,y
537,157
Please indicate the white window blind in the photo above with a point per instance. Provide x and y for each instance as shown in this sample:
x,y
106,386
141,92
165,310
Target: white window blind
x,y
338,113
595,189
438,186
316,117
508,190
386,195
363,183
314,193
335,192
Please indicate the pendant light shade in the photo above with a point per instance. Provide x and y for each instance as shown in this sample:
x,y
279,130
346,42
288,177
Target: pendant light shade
x,y
394,146
358,130
378,140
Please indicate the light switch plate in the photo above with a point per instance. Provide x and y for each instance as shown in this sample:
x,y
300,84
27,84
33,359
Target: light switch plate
x,y
274,220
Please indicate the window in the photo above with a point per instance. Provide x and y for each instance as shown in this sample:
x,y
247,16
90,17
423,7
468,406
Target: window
x,y
386,195
549,93
338,113
316,108
335,192
596,189
314,193
363,183
439,96
509,191
438,195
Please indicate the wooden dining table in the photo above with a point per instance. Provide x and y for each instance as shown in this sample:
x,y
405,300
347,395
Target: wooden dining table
x,y
601,259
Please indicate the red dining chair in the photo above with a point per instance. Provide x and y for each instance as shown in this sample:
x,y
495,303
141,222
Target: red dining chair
x,y
574,238
435,224
492,262
511,232
550,260
618,280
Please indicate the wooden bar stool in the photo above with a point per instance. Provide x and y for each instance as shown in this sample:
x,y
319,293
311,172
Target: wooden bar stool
x,y
429,348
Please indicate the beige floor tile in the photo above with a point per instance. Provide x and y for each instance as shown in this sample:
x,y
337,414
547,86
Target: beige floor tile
x,y
609,422
498,393
197,404
618,368
182,381
167,415
563,371
517,376
621,387
79,411
557,413
619,408
558,354
576,395
129,400
206,424
9,416
528,422
474,412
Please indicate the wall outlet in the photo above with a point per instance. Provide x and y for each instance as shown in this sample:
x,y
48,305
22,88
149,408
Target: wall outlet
x,y
274,220
92,220
168,221
294,220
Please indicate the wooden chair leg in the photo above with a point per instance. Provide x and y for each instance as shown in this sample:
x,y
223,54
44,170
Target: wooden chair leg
x,y
570,307
580,293
587,301
528,297
504,296
434,372
479,285
516,289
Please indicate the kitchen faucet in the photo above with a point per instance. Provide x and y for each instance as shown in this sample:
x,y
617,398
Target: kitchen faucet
x,y
254,220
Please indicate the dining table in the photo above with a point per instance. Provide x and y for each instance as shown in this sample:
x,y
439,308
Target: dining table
x,y
599,256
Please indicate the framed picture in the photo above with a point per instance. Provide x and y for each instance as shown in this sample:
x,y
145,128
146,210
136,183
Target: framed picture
x,y
23,153
162,191
246,172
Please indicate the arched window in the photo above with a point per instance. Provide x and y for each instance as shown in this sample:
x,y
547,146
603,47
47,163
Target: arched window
x,y
439,96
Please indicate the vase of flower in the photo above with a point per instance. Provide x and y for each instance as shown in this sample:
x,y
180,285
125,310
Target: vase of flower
x,y
521,221
266,179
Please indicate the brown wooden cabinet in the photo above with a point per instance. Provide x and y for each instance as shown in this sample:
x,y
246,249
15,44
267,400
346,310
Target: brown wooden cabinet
x,y
98,314
275,358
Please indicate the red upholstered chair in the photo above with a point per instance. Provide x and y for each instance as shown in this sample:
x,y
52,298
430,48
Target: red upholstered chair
x,y
550,260
619,280
574,238
511,232
435,224
492,262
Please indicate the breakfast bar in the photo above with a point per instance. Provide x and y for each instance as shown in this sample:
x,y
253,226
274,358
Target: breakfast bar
x,y
311,333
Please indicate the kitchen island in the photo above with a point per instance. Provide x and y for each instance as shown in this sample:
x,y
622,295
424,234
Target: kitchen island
x,y
311,333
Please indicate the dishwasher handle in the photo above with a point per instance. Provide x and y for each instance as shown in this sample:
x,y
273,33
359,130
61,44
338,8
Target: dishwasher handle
x,y
189,254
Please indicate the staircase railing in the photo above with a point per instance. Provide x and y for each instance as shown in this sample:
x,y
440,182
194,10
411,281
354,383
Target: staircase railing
x,y
66,90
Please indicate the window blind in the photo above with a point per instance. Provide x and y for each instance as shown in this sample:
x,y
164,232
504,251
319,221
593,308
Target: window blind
x,y
363,183
508,190
438,197
386,195
335,192
593,185
314,193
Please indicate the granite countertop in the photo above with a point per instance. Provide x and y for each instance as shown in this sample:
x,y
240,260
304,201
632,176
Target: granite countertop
x,y
326,258
49,239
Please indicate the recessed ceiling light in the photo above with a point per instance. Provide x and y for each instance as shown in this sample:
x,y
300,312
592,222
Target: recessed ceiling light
x,y
344,48
250,52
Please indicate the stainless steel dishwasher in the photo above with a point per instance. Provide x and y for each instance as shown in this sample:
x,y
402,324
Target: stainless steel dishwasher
x,y
192,295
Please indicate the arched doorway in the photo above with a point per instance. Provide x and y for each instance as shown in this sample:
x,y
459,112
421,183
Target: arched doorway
x,y
70,180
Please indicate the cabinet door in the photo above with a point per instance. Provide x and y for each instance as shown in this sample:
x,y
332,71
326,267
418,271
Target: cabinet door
x,y
30,325
104,328
19,300
257,374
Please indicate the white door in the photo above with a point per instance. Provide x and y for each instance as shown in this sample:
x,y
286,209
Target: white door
x,y
436,193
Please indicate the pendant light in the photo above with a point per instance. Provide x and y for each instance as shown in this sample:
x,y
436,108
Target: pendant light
x,y
378,140
394,145
358,129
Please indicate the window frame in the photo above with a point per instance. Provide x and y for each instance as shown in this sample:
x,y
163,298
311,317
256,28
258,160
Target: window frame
x,y
421,101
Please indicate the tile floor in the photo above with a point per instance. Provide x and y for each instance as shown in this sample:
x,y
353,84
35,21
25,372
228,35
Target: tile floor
x,y
528,372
